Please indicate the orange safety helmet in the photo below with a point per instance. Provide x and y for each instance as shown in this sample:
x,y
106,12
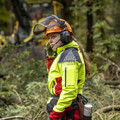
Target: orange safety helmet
x,y
52,24
57,28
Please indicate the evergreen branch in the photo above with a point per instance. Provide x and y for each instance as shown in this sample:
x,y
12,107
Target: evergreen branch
x,y
115,32
108,60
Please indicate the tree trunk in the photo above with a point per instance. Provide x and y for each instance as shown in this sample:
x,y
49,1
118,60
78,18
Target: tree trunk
x,y
89,27
66,11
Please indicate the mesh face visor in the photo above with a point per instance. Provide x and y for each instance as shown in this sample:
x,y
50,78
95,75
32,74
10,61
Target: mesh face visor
x,y
48,22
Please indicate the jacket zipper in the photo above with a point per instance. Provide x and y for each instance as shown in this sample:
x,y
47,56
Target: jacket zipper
x,y
65,75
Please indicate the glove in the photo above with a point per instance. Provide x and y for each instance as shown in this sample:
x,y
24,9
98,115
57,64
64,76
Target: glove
x,y
50,52
55,115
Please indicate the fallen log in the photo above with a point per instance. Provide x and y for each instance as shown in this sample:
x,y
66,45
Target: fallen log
x,y
112,83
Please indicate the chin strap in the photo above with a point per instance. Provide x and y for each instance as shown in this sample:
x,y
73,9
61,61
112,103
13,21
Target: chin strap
x,y
56,43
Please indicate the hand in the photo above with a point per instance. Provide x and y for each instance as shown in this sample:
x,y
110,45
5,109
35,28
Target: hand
x,y
50,52
55,115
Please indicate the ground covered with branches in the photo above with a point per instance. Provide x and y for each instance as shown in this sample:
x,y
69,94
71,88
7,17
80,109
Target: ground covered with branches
x,y
24,92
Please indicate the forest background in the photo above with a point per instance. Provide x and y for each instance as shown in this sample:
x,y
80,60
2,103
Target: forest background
x,y
23,82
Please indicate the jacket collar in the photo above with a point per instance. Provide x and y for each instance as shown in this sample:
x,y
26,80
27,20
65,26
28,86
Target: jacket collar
x,y
62,48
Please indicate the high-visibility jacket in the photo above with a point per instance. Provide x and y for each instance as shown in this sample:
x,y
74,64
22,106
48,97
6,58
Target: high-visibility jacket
x,y
66,78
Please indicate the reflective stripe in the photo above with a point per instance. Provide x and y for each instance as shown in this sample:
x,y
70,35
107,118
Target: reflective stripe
x,y
70,54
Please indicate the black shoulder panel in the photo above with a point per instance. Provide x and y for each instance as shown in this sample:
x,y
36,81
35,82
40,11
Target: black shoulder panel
x,y
70,54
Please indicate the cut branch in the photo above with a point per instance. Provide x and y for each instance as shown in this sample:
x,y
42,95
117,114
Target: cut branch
x,y
108,109
18,96
12,117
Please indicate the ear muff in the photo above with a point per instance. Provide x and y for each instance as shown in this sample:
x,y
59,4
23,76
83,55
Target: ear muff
x,y
65,37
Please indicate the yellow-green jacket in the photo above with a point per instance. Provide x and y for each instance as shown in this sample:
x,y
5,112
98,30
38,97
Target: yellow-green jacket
x,y
66,77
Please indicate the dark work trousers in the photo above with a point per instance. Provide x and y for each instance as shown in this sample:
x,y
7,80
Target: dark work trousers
x,y
71,115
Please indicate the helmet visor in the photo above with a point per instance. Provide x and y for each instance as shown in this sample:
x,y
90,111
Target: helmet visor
x,y
48,22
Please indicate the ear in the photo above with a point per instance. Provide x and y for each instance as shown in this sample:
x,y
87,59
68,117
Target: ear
x,y
65,37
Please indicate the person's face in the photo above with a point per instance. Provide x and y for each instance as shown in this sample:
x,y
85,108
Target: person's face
x,y
53,38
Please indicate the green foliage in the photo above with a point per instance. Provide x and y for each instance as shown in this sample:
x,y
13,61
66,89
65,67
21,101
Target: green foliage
x,y
78,9
100,96
108,47
94,69
33,102
4,12
24,83
105,67
4,15
102,24
7,95
21,71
